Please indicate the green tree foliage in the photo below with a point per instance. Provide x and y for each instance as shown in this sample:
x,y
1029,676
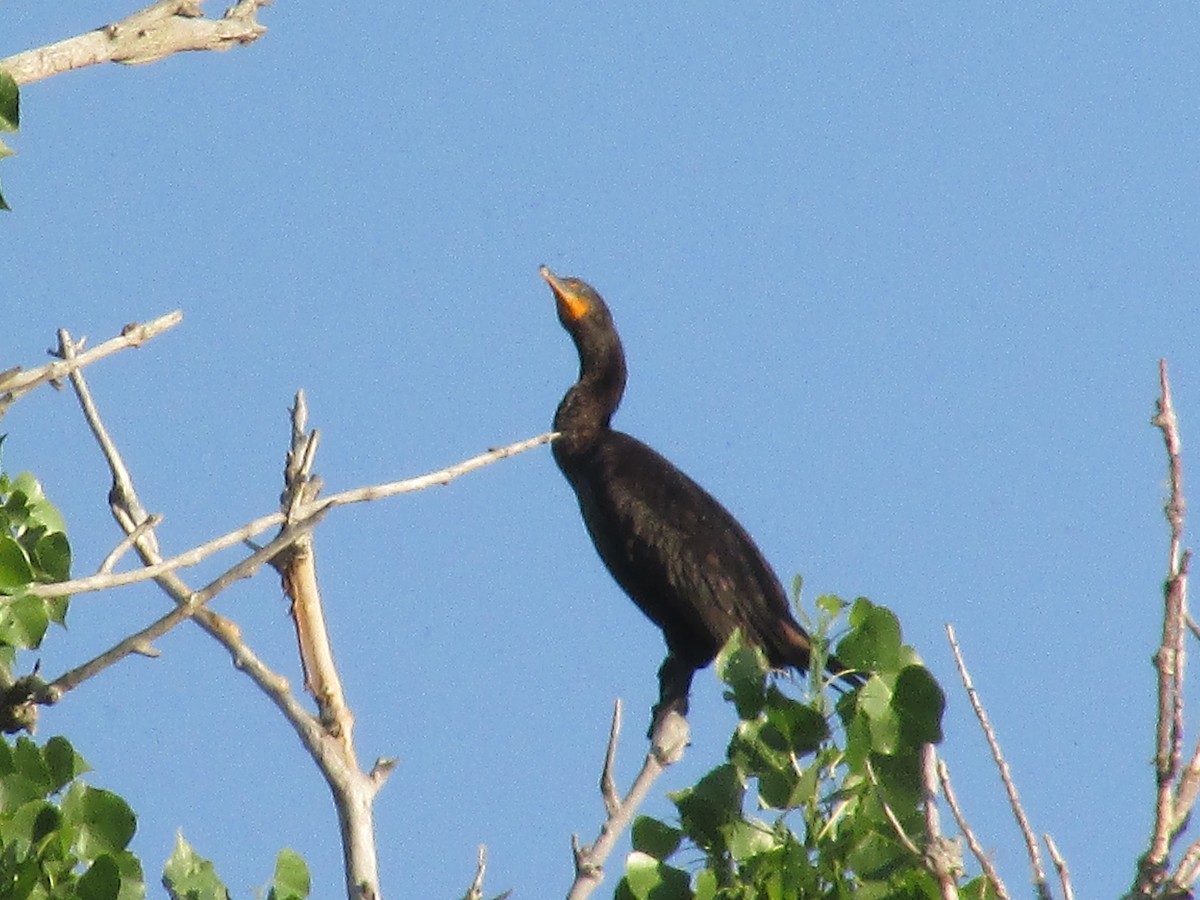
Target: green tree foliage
x,y
10,116
813,795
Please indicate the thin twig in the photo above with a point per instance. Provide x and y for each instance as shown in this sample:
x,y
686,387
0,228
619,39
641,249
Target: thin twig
x,y
255,527
127,542
985,862
158,31
1185,873
1060,864
942,856
1014,801
608,784
15,383
589,860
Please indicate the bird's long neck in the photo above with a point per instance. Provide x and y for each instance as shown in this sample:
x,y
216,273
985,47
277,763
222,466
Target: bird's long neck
x,y
585,411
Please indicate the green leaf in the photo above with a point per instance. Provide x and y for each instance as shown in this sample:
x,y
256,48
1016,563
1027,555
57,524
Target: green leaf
x,y
23,620
291,880
52,555
15,570
831,604
744,668
44,513
655,838
62,762
802,727
102,880
189,876
648,879
714,802
104,822
919,704
31,764
873,644
10,103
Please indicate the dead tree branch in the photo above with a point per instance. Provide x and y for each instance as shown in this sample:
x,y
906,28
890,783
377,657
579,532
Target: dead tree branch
x,y
156,32
985,861
15,383
667,746
103,580
1031,844
1176,789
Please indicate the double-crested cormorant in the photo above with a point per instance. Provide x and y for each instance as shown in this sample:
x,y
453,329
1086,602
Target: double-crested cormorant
x,y
677,552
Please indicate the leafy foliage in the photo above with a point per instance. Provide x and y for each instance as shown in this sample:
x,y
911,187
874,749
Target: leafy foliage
x,y
810,797
33,550
10,115
60,838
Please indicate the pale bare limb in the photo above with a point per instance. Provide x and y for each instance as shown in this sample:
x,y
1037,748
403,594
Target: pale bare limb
x,y
353,790
104,581
15,383
141,641
1014,801
985,862
158,31
1060,864
1176,790
942,856
299,573
670,737
1180,882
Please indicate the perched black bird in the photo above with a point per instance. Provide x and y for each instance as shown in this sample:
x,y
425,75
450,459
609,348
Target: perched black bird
x,y
680,555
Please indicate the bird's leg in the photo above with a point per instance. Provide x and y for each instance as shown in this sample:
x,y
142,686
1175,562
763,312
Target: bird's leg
x,y
674,685
668,726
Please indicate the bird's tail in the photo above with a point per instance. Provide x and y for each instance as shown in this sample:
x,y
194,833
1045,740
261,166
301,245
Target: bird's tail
x,y
797,647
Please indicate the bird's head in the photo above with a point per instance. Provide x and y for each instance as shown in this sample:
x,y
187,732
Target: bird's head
x,y
577,302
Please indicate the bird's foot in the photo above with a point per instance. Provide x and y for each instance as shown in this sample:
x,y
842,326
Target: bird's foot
x,y
669,735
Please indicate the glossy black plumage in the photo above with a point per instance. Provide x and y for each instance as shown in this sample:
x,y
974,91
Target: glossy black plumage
x,y
680,555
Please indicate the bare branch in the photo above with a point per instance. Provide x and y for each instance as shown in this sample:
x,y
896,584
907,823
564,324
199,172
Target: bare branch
x,y
103,581
475,891
1031,844
1176,792
141,641
126,542
15,383
942,856
353,791
298,570
589,860
1060,864
158,31
130,514
985,862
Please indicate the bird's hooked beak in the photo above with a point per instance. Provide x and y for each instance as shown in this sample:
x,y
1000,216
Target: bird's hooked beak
x,y
572,304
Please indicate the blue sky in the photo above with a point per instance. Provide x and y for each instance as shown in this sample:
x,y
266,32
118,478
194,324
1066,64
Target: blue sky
x,y
893,283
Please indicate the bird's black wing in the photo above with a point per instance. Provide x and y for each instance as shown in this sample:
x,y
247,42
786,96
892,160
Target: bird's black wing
x,y
679,554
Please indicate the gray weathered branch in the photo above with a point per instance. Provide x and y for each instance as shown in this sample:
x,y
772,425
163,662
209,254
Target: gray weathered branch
x,y
158,31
